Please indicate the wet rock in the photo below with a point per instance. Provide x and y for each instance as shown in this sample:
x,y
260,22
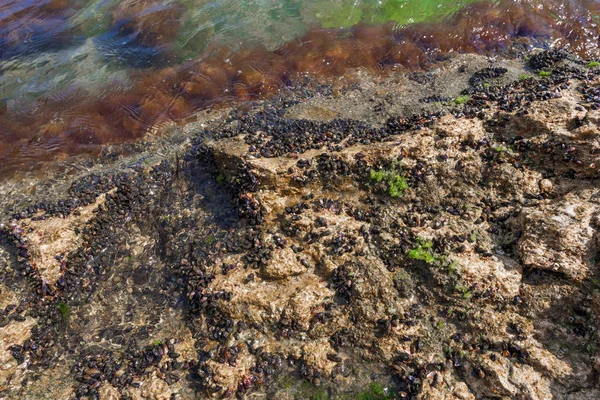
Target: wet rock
x,y
506,379
283,264
228,377
546,186
440,385
314,358
558,236
12,337
261,243
109,392
403,282
372,295
49,239
152,388
301,308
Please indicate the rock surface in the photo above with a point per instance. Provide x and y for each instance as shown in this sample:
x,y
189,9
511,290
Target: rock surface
x,y
436,249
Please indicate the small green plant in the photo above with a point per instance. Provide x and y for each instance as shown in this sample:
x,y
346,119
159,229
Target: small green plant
x,y
320,396
210,239
220,179
286,381
454,268
378,176
564,344
593,64
396,183
376,391
422,251
464,291
524,77
156,343
544,74
472,237
460,100
447,350
309,391
591,348
504,149
65,311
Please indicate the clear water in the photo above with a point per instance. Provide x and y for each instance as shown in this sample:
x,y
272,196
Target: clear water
x,y
77,74
49,46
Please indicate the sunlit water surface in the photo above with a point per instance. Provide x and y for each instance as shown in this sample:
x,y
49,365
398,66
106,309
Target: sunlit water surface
x,y
78,74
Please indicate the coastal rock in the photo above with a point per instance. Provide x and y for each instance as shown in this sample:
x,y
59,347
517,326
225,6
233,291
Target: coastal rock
x,y
283,264
50,238
559,236
13,334
436,255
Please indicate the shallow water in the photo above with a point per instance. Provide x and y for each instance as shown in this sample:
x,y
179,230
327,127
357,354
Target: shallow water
x,y
78,74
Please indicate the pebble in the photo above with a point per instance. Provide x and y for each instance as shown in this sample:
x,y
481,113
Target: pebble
x,y
546,186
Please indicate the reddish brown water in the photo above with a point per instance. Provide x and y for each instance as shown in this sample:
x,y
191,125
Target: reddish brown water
x,y
76,120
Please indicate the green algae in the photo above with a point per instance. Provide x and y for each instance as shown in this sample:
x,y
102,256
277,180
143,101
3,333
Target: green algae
x,y
423,251
460,100
343,14
394,180
65,313
376,391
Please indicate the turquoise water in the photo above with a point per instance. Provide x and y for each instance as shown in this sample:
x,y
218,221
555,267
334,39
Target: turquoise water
x,y
77,74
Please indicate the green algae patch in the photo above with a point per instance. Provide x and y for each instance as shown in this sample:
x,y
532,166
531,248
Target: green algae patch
x,y
346,13
423,251
65,311
460,100
210,240
376,391
395,182
65,315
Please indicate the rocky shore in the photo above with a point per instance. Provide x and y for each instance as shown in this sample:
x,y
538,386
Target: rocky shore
x,y
427,235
